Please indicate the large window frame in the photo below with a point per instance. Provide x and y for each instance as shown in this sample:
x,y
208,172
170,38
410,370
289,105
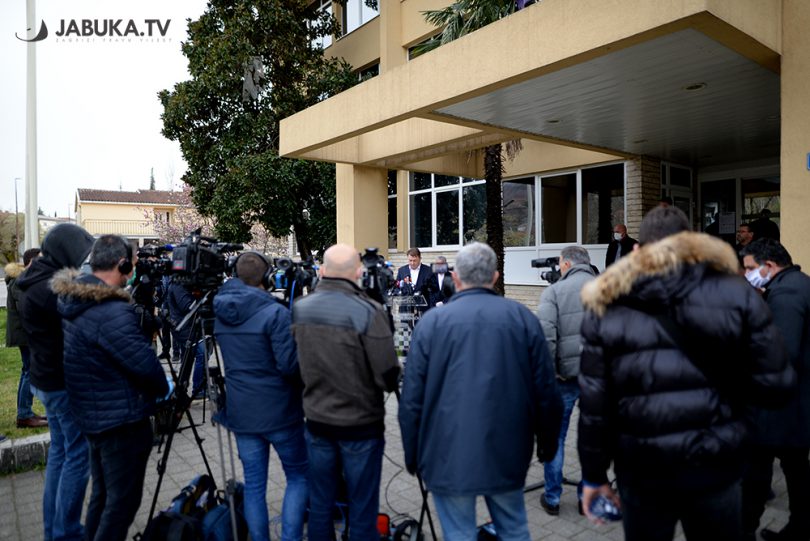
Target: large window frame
x,y
437,190
355,14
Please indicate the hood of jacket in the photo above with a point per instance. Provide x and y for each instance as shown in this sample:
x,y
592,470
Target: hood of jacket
x,y
67,245
13,270
41,269
78,292
237,302
661,272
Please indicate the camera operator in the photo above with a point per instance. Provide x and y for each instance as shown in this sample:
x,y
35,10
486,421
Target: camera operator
x,y
112,378
440,284
179,301
263,399
560,313
347,358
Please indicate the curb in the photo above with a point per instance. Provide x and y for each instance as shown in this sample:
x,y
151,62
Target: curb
x,y
24,453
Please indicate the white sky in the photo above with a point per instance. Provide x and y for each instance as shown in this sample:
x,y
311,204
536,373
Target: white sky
x,y
98,115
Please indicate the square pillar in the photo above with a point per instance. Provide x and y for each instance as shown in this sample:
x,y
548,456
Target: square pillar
x,y
642,190
362,206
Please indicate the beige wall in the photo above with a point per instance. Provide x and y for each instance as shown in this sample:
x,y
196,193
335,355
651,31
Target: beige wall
x,y
795,196
117,218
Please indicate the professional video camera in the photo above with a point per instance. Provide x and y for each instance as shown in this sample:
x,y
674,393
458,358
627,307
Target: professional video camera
x,y
293,276
550,262
377,277
200,262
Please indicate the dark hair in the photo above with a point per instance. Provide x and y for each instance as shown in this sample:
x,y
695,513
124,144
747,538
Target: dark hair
x,y
747,226
108,251
414,252
251,268
662,222
30,254
766,249
665,200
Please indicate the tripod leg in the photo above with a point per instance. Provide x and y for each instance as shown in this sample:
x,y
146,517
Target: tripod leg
x,y
425,509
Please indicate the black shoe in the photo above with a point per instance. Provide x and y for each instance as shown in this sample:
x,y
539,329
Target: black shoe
x,y
552,510
31,422
579,508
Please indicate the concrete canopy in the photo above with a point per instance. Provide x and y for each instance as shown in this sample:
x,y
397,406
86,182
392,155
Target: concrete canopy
x,y
694,82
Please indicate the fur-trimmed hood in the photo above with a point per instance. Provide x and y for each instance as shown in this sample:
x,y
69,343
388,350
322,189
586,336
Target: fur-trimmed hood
x,y
13,270
77,291
656,266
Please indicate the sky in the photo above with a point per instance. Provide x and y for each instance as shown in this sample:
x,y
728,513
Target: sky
x,y
98,116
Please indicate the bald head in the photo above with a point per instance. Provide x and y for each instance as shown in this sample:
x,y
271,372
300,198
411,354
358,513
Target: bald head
x,y
341,261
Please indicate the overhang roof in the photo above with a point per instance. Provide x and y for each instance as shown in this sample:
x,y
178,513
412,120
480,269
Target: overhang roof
x,y
693,82
149,197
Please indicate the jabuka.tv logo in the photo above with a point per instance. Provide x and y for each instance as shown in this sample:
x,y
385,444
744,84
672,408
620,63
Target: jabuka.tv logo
x,y
103,28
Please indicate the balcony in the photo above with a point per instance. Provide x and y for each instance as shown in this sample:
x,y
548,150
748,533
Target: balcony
x,y
127,228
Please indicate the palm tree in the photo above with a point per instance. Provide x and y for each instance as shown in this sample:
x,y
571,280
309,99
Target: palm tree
x,y
458,19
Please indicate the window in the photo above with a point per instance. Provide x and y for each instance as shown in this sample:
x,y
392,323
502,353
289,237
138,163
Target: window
x,y
392,210
369,72
602,202
323,6
446,210
355,14
519,212
559,211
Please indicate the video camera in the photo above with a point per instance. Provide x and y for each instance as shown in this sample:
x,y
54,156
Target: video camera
x,y
199,262
378,276
293,276
553,263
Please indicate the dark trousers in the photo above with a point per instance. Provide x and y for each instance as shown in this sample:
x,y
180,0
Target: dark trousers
x,y
651,514
757,485
117,463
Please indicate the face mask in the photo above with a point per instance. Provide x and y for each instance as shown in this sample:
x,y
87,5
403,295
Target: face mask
x,y
617,236
756,279
131,279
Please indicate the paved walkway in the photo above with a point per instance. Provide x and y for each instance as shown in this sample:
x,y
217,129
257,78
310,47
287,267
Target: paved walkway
x,y
20,494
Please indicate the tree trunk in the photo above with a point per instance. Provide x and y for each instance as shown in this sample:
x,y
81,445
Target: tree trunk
x,y
493,171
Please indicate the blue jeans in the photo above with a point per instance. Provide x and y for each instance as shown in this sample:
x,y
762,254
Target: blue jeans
x,y
553,471
67,470
25,398
118,460
254,452
508,512
362,468
199,369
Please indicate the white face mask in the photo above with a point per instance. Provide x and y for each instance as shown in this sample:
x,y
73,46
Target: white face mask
x,y
617,236
756,279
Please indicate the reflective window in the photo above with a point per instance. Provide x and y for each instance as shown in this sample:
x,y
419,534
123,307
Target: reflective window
x,y
519,212
445,215
421,219
355,14
447,218
559,211
392,210
602,202
475,212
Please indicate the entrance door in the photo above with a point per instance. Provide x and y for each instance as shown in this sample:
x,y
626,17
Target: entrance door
x,y
718,208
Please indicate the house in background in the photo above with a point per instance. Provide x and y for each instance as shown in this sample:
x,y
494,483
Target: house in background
x,y
617,104
124,213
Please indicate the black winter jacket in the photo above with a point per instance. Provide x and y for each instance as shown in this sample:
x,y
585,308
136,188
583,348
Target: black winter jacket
x,y
667,402
112,375
15,334
788,296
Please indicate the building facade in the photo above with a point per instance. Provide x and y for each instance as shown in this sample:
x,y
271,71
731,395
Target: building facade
x,y
129,214
616,105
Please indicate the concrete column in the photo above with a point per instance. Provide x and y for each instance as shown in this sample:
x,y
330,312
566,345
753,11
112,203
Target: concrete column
x,y
795,190
392,54
642,190
362,206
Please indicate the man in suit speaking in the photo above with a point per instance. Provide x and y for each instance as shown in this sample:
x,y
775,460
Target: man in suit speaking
x,y
414,275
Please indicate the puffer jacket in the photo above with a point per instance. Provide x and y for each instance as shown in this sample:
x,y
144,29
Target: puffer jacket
x,y
112,376
15,334
560,313
677,346
261,365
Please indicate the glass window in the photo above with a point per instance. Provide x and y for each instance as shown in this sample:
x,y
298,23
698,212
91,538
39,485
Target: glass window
x,y
518,212
392,222
421,219
355,14
420,181
475,213
680,176
559,212
444,180
447,218
602,202
326,6
392,182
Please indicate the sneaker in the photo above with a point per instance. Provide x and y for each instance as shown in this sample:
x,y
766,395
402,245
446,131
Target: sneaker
x,y
552,510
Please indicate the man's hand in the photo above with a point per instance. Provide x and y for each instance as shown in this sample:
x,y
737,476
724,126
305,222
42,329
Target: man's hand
x,y
589,494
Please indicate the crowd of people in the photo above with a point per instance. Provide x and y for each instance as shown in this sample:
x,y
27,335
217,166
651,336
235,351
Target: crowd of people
x,y
692,375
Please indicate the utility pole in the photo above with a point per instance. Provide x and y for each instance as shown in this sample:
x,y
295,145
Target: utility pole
x,y
31,206
16,222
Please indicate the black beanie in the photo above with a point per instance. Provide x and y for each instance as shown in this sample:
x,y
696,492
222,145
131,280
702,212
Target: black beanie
x,y
67,245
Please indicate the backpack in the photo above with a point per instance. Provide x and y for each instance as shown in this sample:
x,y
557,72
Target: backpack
x,y
182,520
216,525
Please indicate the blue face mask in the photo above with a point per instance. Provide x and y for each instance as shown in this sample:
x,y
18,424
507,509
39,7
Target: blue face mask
x,y
756,279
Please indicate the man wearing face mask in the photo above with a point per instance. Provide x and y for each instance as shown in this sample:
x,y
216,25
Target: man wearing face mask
x,y
782,433
112,378
620,246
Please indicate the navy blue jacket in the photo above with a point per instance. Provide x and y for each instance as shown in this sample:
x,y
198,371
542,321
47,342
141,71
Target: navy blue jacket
x,y
112,375
479,386
261,365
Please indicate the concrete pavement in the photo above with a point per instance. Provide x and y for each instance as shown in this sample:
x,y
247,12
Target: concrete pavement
x,y
20,494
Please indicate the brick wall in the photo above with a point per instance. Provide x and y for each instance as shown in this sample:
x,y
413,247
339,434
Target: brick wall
x,y
643,190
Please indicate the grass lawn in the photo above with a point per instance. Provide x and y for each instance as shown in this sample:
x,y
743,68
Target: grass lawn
x,y
10,364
